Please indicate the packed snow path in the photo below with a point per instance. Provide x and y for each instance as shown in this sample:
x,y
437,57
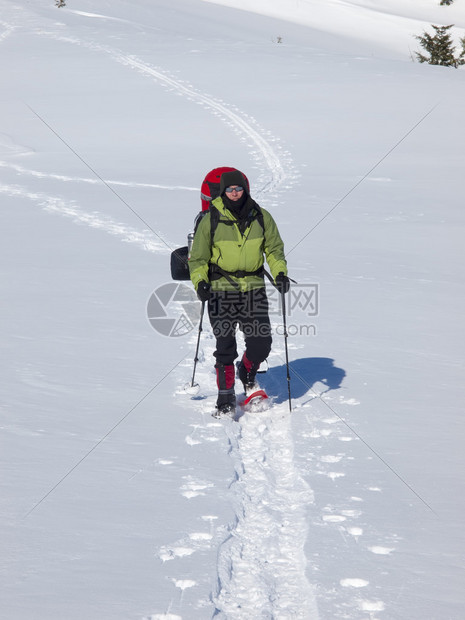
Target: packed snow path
x,y
262,566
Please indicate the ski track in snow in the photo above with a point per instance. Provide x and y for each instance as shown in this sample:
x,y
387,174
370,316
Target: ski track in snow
x,y
8,29
67,179
279,165
145,239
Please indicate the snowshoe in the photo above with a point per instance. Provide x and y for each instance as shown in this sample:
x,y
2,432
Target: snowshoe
x,y
256,399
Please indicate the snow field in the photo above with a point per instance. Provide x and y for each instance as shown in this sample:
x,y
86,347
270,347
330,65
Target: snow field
x,y
177,515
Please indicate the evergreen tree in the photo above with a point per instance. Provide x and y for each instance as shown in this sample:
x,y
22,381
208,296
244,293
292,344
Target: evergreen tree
x,y
445,2
440,48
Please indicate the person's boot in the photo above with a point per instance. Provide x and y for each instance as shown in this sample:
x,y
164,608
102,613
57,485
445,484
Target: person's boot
x,y
226,401
247,371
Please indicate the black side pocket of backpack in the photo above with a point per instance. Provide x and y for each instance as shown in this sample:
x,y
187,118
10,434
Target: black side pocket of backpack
x,y
179,264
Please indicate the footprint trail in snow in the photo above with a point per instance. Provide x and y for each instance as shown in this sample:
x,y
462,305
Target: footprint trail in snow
x,y
262,565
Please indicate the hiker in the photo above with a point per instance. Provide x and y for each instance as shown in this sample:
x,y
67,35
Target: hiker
x,y
226,268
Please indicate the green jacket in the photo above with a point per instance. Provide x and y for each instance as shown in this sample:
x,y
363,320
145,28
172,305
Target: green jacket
x,y
235,251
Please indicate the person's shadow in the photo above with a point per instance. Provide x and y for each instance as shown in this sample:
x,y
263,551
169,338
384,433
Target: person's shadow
x,y
304,374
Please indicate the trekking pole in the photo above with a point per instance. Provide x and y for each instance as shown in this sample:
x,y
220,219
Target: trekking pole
x,y
283,299
196,358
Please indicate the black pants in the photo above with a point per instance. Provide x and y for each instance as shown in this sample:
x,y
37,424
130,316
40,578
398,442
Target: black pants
x,y
248,311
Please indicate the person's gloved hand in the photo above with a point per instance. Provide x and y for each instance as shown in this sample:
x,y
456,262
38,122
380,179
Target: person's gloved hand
x,y
204,290
282,283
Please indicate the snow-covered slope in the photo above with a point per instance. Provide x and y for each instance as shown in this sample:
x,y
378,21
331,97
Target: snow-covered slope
x,y
121,497
380,28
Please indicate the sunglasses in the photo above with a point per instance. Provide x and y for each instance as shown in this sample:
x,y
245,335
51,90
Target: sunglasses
x,y
230,190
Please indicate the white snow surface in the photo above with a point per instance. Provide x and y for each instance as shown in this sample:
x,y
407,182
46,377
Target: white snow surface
x,y
121,497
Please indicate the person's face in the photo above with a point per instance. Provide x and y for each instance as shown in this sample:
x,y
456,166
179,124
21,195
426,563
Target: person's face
x,y
234,192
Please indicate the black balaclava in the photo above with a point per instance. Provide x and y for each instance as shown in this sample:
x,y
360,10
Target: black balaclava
x,y
235,177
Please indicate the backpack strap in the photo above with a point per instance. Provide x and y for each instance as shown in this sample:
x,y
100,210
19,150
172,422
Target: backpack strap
x,y
214,219
260,218
198,218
